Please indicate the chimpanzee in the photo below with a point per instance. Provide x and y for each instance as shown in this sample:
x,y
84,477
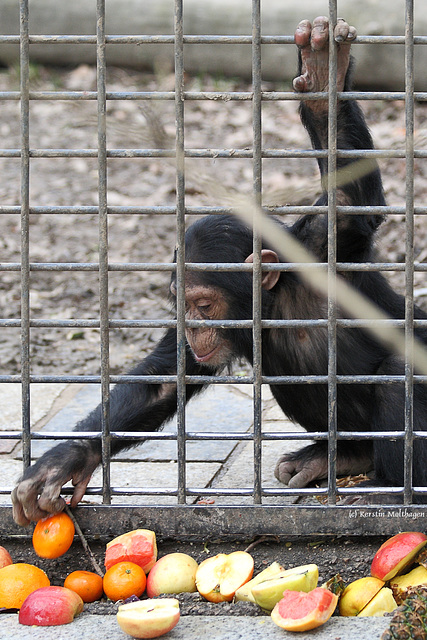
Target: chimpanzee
x,y
290,351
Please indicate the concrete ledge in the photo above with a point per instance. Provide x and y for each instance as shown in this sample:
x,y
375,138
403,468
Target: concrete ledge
x,y
197,628
378,66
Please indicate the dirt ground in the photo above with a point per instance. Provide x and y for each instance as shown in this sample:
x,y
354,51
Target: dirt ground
x,y
150,238
350,557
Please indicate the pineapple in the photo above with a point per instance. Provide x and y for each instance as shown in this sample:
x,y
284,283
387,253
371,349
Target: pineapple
x,y
335,585
409,621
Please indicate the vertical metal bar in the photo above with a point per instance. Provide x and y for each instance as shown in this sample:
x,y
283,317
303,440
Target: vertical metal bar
x,y
257,243
180,231
25,235
332,256
409,259
103,248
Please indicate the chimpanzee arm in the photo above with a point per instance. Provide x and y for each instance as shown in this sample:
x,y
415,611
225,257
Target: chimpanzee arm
x,y
133,407
358,180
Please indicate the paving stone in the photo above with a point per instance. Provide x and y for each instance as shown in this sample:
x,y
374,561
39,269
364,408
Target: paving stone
x,y
43,395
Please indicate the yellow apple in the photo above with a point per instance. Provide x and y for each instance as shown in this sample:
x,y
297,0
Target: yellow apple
x,y
149,618
396,554
219,577
357,594
400,584
174,573
244,593
382,602
268,593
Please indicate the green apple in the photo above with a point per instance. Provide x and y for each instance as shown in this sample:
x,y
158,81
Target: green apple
x,y
268,593
245,592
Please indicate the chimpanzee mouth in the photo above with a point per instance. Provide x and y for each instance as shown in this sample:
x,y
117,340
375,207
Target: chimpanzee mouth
x,y
206,356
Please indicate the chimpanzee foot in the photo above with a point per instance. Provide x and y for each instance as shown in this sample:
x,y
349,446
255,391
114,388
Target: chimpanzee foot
x,y
313,43
298,473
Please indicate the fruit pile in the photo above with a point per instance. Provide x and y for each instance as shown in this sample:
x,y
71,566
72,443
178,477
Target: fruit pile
x,y
134,578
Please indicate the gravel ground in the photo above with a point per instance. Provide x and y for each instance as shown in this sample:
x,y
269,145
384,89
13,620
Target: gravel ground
x,y
135,238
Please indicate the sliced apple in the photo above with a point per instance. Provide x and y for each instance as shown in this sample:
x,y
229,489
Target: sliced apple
x,y
268,593
149,618
396,554
219,577
174,573
382,602
137,546
357,594
400,584
244,592
50,606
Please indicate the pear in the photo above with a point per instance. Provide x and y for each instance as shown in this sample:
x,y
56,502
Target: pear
x,y
268,593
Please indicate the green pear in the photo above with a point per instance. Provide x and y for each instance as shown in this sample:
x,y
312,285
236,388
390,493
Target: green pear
x,y
268,593
245,591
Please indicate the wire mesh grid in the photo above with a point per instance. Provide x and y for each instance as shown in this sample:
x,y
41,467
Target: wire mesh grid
x,y
184,516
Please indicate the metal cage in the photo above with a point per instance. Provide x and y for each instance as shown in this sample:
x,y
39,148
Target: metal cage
x,y
185,518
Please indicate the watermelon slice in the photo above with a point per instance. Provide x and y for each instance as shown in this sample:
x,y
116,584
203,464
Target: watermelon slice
x,y
300,611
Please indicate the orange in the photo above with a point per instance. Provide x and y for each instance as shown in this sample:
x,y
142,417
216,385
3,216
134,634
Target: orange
x,y
123,580
86,583
53,535
17,581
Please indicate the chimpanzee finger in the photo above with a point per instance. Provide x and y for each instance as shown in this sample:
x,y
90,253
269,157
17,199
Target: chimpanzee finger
x,y
79,491
25,500
18,510
50,499
344,32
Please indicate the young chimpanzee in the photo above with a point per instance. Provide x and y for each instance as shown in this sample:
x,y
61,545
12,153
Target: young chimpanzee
x,y
294,351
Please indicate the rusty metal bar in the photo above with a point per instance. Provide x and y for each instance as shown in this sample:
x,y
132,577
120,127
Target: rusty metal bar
x,y
180,257
257,243
409,252
103,249
332,255
25,232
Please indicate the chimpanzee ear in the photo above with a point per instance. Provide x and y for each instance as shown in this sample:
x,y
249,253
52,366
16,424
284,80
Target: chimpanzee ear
x,y
270,278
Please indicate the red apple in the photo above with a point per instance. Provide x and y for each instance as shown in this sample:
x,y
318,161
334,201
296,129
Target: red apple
x,y
5,558
174,573
219,577
396,554
137,546
50,606
149,618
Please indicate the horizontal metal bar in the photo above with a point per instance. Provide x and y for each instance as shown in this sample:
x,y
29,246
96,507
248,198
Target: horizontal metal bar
x,y
211,153
212,266
225,96
198,436
349,323
224,379
194,39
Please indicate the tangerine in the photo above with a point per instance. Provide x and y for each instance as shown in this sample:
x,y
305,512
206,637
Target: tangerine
x,y
86,583
17,581
53,535
123,580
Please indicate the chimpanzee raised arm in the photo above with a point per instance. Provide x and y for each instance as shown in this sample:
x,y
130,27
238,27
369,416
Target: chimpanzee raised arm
x,y
292,351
